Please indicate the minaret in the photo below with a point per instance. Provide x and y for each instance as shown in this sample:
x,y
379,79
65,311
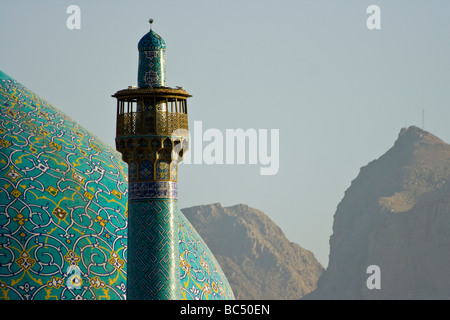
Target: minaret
x,y
152,134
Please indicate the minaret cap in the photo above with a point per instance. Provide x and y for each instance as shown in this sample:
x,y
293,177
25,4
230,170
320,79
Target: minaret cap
x,y
152,60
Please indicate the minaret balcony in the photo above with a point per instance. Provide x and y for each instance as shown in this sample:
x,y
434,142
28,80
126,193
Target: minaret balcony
x,y
151,111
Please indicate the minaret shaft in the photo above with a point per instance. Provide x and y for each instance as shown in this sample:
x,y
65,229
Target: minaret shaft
x,y
153,250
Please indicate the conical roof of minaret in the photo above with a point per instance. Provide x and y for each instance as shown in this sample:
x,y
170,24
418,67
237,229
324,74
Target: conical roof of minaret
x,y
152,61
151,41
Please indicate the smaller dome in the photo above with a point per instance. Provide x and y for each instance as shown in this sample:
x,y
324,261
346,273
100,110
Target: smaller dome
x,y
151,41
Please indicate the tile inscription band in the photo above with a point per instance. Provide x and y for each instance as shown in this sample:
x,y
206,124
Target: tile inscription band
x,y
152,190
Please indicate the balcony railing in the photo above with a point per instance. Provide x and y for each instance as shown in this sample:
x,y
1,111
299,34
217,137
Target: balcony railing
x,y
145,123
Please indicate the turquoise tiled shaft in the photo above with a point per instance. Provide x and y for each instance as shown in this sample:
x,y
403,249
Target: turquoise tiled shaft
x,y
153,264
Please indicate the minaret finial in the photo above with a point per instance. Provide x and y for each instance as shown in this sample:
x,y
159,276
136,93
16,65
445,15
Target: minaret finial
x,y
151,21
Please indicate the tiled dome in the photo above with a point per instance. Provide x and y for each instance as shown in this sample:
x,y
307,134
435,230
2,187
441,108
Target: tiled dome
x,y
63,218
151,41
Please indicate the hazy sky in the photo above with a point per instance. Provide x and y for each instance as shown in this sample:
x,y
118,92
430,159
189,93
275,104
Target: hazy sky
x,y
338,92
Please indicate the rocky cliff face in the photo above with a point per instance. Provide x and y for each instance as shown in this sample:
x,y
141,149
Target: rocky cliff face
x,y
395,215
257,258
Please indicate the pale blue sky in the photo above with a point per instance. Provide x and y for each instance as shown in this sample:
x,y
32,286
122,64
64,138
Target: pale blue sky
x,y
338,92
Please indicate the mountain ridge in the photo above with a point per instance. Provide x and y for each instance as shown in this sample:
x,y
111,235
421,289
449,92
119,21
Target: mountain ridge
x,y
254,253
396,215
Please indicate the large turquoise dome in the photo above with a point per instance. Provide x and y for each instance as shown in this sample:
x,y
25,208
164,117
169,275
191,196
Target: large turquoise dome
x,y
63,217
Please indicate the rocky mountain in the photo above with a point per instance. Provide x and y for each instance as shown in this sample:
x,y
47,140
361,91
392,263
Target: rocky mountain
x,y
396,216
255,255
